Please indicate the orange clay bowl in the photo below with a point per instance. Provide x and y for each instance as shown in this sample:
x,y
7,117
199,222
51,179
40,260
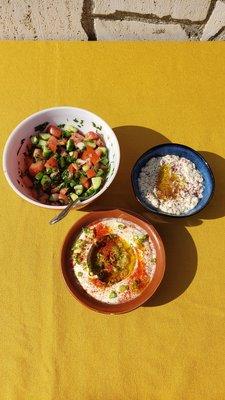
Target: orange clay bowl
x,y
80,294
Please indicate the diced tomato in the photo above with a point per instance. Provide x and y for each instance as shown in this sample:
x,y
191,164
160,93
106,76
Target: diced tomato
x,y
27,182
85,155
36,167
90,173
33,193
99,142
63,190
43,198
55,131
52,143
98,151
77,137
63,197
90,153
94,158
92,135
55,189
75,166
85,182
71,168
28,161
51,163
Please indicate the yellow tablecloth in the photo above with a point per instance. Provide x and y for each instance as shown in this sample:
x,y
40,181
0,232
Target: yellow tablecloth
x,y
172,349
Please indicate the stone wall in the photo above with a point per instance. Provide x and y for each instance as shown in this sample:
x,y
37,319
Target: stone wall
x,y
112,19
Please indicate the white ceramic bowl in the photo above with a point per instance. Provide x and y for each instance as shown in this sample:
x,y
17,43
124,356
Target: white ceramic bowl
x,y
17,141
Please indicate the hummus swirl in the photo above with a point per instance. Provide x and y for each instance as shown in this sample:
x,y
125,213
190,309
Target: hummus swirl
x,y
114,260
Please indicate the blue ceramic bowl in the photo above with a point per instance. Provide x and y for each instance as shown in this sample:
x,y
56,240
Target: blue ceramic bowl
x,y
181,151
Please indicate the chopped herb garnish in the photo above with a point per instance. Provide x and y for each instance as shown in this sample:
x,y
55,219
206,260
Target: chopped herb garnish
x,y
41,127
140,238
86,230
79,122
123,288
98,128
121,226
80,274
112,294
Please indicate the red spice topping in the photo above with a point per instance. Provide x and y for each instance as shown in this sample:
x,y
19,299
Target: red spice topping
x,y
140,275
97,282
100,231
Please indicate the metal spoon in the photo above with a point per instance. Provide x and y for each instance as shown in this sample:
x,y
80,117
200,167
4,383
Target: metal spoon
x,y
65,211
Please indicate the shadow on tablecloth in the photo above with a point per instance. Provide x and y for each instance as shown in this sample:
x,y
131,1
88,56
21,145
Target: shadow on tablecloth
x,y
180,248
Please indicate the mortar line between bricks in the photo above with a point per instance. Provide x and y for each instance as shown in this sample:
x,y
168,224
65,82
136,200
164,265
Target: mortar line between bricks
x,y
210,10
216,34
87,20
149,18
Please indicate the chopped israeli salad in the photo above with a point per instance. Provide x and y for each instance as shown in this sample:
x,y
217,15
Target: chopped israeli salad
x,y
63,163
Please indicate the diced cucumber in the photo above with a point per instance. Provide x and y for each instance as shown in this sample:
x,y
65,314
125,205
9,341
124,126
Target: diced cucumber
x,y
70,159
62,162
96,182
80,146
72,183
41,143
104,160
39,176
49,170
79,161
90,192
85,168
66,134
90,143
45,136
54,197
73,154
70,145
54,174
73,196
45,181
34,139
46,152
100,172
103,150
78,189
70,128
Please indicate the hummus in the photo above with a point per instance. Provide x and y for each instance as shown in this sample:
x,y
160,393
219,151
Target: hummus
x,y
113,260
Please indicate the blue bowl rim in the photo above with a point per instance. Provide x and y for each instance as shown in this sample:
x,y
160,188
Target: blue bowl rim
x,y
182,146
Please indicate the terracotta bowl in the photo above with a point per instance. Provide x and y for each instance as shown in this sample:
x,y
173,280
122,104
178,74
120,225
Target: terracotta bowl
x,y
74,285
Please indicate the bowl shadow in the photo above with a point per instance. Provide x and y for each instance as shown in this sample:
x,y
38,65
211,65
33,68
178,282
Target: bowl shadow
x,y
181,264
181,252
133,141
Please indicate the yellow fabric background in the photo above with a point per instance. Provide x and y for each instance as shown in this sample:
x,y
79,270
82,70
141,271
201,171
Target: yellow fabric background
x,y
172,349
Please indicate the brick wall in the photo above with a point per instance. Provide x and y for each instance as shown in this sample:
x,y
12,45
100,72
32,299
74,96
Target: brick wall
x,y
113,19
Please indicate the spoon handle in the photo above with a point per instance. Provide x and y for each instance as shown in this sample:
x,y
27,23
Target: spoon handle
x,y
64,212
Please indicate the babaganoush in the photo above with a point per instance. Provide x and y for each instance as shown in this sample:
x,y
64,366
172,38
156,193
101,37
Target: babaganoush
x,y
114,260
